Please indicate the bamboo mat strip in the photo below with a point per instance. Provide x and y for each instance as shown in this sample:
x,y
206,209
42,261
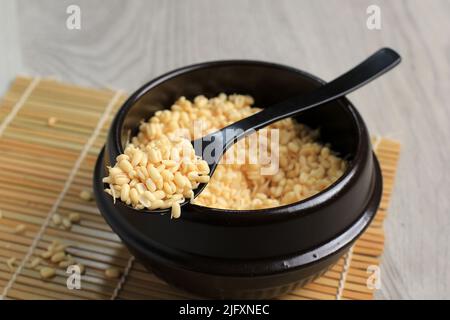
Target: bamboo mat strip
x,y
65,189
344,274
123,278
23,98
53,164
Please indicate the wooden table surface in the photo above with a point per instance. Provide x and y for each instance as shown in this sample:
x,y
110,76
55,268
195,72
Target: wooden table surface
x,y
123,44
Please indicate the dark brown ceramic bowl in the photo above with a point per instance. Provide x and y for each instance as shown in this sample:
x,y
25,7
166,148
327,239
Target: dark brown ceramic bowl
x,y
252,253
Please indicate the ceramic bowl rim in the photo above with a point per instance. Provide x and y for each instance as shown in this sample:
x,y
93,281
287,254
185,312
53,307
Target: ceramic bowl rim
x,y
305,206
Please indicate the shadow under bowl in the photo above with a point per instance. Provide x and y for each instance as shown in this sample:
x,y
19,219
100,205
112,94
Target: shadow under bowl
x,y
247,254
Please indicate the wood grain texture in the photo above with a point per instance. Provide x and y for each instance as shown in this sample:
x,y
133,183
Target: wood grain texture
x,y
122,44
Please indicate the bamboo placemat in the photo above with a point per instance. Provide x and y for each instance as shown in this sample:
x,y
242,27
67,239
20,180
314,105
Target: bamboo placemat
x,y
45,166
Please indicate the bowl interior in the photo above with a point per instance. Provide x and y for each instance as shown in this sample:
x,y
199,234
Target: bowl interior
x,y
267,83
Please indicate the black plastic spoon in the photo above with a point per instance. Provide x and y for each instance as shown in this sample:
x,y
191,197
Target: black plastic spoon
x,y
212,146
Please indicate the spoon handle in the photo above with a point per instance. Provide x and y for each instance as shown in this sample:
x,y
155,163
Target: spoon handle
x,y
377,64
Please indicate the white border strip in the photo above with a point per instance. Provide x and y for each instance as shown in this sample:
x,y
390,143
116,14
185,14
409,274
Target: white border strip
x,y
67,185
19,104
123,278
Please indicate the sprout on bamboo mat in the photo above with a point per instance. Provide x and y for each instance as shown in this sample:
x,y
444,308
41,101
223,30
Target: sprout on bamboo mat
x,y
112,273
86,195
10,263
58,257
66,223
52,121
69,260
35,262
46,254
74,217
56,219
47,272
20,228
